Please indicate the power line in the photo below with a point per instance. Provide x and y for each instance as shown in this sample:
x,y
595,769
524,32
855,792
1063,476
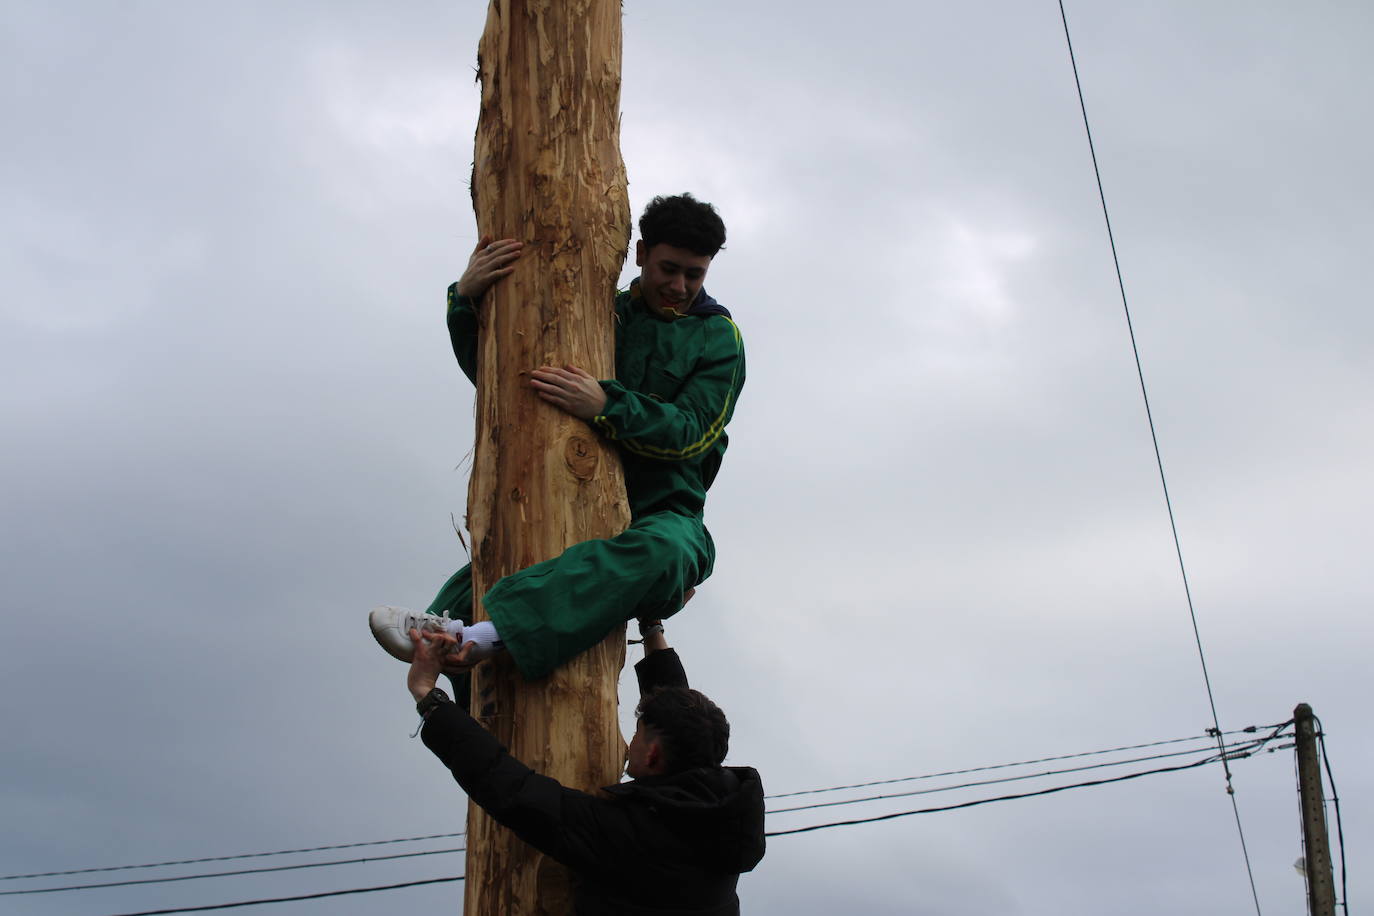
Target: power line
x,y
1159,459
355,890
1252,729
241,855
1246,745
228,874
987,801
1249,745
1249,748
1336,803
1237,750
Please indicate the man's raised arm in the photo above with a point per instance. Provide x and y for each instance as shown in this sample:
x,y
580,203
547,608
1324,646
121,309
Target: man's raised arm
x,y
660,667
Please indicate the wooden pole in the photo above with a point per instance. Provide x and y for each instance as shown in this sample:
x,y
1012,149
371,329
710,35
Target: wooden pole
x,y
1321,885
547,171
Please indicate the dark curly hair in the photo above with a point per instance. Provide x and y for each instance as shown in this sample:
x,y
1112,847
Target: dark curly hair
x,y
683,222
694,732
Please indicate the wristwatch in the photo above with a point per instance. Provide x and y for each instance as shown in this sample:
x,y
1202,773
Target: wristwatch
x,y
647,628
431,700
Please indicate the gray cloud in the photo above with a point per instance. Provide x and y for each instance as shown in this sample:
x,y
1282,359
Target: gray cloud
x,y
233,424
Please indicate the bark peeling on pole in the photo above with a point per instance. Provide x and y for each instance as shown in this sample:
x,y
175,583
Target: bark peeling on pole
x,y
547,171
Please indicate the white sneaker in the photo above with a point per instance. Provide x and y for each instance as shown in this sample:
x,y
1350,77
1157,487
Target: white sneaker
x,y
391,627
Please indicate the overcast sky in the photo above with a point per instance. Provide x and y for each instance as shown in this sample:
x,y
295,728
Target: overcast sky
x,y
232,424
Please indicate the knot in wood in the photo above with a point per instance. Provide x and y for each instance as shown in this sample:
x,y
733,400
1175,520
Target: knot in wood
x,y
582,457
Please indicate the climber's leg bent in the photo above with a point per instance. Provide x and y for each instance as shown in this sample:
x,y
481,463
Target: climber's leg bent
x,y
553,610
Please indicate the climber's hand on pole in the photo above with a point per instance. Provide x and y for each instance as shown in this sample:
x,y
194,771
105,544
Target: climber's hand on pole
x,y
490,261
570,390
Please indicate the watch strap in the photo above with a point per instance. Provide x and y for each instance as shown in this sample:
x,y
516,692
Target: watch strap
x,y
431,700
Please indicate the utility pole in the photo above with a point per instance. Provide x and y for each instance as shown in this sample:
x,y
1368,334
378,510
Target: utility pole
x,y
1321,885
547,170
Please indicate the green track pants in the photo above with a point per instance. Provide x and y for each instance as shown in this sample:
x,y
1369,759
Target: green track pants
x,y
553,610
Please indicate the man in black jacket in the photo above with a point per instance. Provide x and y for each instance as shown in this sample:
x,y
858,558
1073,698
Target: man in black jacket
x,y
673,839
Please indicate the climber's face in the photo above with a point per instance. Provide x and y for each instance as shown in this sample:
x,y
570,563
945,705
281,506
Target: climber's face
x,y
670,277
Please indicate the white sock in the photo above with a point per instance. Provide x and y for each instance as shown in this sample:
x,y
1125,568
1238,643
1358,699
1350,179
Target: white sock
x,y
484,634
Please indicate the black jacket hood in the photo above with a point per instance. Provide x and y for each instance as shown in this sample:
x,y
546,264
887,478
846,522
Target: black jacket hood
x,y
704,305
716,810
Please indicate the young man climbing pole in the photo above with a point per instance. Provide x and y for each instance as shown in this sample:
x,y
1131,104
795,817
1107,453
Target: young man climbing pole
x,y
679,362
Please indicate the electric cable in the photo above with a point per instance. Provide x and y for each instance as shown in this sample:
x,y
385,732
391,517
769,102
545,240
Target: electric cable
x,y
1251,729
1212,758
355,890
1336,804
1246,749
1000,798
446,836
1241,745
1001,766
229,858
1247,745
1159,459
228,874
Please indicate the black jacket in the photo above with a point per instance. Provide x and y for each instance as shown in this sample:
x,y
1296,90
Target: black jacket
x,y
660,845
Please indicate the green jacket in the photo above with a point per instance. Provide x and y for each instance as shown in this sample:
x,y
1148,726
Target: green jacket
x,y
677,381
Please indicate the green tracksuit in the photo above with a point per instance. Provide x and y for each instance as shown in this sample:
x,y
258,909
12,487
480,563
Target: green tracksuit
x,y
677,380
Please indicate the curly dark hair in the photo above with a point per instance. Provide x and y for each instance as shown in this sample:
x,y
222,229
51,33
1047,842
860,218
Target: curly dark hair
x,y
683,222
694,732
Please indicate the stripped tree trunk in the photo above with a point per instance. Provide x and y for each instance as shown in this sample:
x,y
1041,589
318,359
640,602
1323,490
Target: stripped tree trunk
x,y
547,171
